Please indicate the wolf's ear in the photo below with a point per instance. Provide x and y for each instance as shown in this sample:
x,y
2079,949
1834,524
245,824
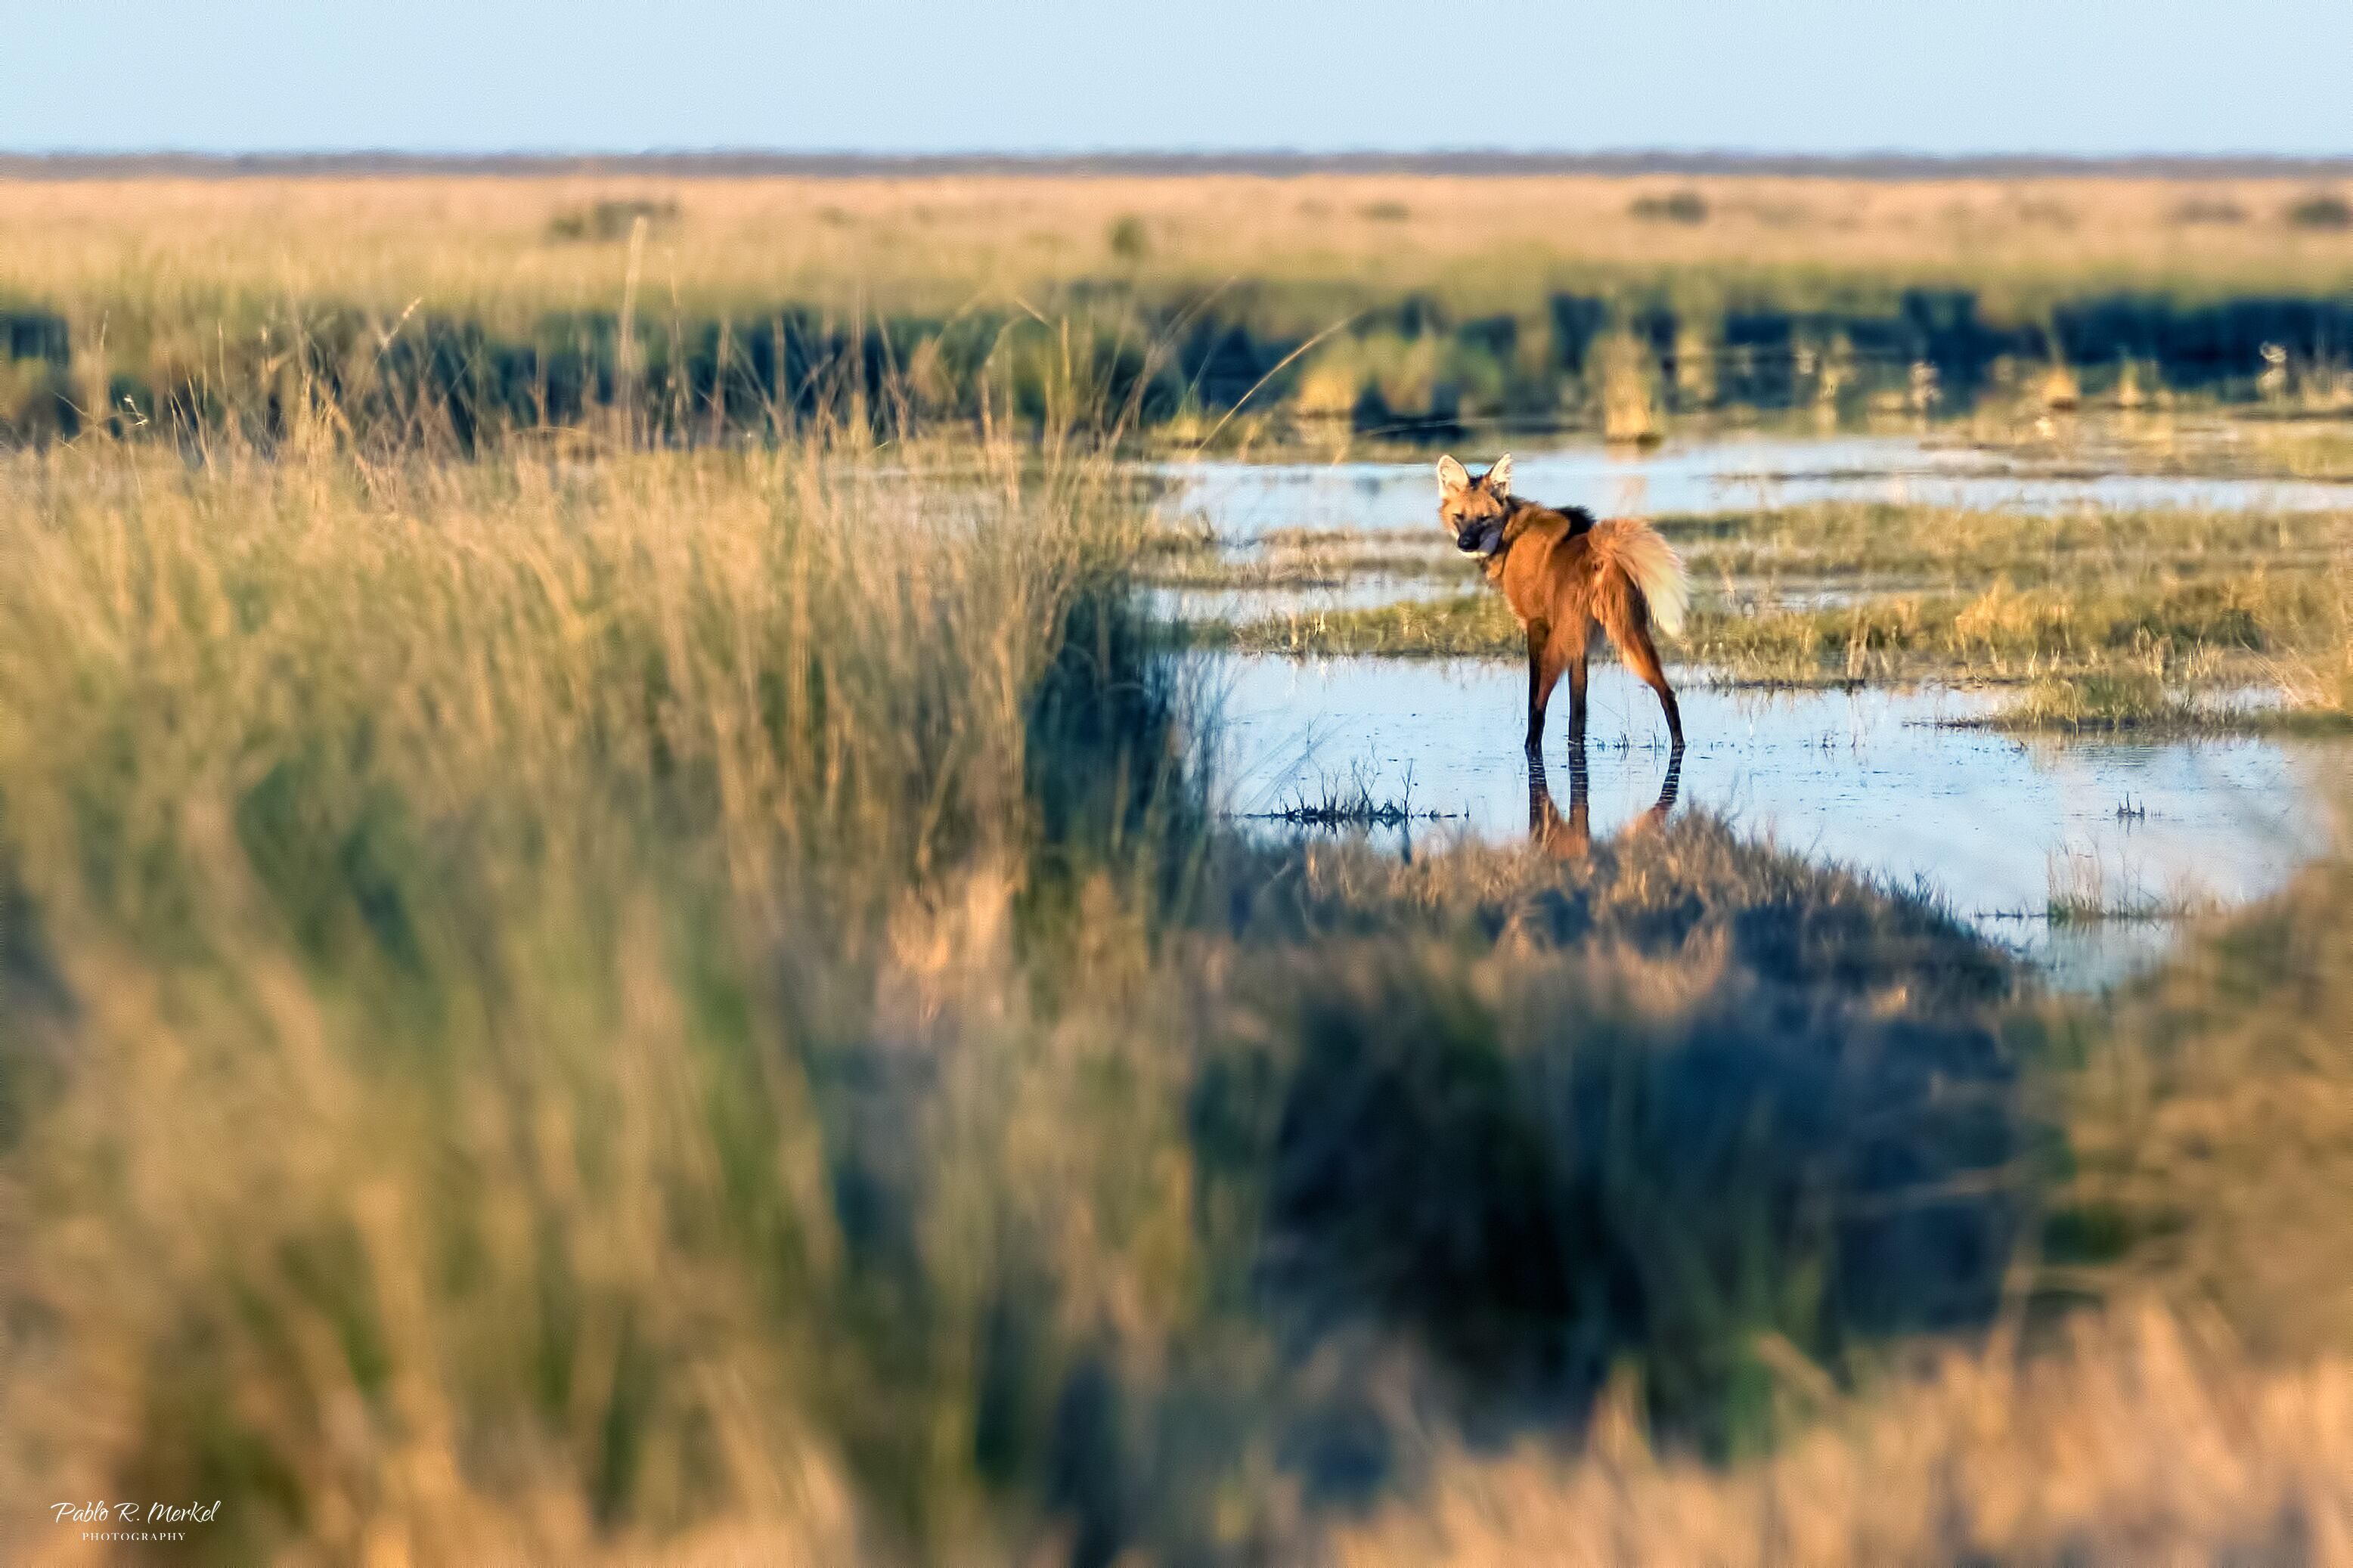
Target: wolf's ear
x,y
1452,476
1498,479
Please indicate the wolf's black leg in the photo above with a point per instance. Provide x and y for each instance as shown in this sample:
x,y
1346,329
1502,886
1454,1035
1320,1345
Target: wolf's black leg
x,y
1542,673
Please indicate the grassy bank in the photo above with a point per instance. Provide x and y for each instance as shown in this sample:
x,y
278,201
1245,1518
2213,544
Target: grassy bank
x,y
2197,1415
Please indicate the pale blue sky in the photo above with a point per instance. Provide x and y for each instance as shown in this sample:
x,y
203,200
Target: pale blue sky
x,y
1803,76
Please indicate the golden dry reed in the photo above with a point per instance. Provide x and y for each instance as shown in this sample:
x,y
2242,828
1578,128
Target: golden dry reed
x,y
426,887
2138,1443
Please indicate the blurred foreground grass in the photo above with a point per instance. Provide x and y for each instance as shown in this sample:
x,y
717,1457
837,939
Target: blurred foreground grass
x,y
2202,1414
690,1007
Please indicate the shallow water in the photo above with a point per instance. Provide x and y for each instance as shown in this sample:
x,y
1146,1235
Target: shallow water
x,y
1990,823
1243,500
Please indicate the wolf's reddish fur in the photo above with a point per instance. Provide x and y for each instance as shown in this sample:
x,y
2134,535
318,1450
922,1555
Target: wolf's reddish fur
x,y
1566,576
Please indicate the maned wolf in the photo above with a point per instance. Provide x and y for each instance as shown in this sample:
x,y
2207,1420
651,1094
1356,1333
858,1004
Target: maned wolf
x,y
1563,574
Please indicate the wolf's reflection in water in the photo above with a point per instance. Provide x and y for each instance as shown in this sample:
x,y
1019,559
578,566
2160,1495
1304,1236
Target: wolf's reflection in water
x,y
1570,837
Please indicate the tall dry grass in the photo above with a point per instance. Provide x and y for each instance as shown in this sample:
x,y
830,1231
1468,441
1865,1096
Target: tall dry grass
x,y
469,926
2141,1442
2321,679
2207,1119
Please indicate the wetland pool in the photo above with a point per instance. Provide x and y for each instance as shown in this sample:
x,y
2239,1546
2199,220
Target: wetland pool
x,y
1241,501
1997,826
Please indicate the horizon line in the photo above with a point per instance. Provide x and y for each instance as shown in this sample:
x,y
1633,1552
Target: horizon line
x,y
752,163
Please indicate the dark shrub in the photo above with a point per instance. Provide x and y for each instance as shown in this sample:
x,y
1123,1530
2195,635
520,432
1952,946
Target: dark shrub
x,y
604,221
1676,206
1127,238
2326,210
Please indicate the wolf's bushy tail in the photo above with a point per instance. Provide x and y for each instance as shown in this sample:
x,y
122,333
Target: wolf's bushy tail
x,y
1628,546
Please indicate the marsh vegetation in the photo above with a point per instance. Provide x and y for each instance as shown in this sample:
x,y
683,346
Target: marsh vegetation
x,y
672,976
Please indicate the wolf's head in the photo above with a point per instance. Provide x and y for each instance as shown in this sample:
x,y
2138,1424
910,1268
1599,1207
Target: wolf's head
x,y
1474,511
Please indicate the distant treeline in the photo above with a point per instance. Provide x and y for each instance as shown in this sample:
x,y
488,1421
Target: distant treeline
x,y
1112,360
